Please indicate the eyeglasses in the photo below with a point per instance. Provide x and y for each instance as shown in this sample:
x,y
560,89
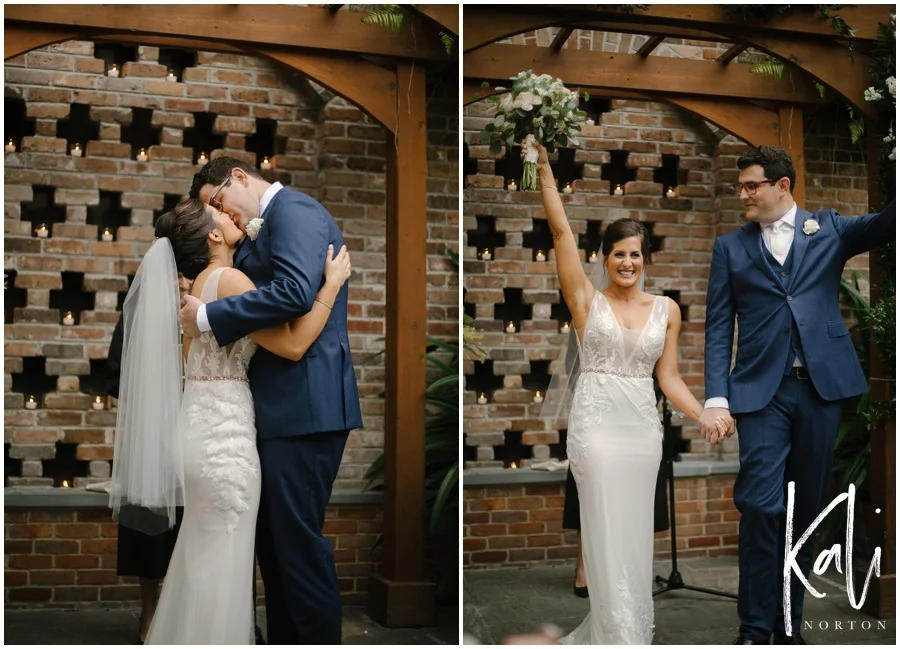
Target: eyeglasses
x,y
751,186
212,199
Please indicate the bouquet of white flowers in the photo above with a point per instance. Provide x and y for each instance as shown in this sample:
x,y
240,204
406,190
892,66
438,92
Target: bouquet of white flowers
x,y
536,109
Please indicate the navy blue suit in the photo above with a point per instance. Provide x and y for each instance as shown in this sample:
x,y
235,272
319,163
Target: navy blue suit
x,y
304,412
787,425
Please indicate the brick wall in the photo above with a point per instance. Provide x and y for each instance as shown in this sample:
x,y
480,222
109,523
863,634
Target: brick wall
x,y
324,146
66,558
522,524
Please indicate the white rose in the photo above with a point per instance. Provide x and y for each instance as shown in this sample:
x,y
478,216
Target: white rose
x,y
892,86
890,136
253,228
872,95
810,226
893,154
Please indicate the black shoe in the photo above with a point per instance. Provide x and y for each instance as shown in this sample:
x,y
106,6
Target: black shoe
x,y
581,591
259,636
745,640
781,638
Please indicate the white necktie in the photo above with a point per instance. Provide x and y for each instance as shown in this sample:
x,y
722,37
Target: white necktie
x,y
779,240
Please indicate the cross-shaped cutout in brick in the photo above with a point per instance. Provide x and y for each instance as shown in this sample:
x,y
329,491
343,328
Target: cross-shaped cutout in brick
x,y
470,164
510,166
538,378
565,169
33,379
656,243
265,143
560,312
176,61
66,465
539,239
616,172
94,383
483,380
72,297
512,309
78,127
42,210
169,203
485,236
558,450
470,453
11,466
120,303
669,175
13,298
15,124
108,213
468,308
512,451
201,138
592,240
140,134
676,297
111,53
594,107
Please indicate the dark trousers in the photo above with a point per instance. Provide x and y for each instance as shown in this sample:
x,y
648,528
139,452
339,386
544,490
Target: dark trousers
x,y
791,439
303,602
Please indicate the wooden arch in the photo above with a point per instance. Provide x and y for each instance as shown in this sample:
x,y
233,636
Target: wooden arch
x,y
366,66
725,93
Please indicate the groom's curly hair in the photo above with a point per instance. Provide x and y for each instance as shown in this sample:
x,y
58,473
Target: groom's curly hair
x,y
216,171
775,161
187,228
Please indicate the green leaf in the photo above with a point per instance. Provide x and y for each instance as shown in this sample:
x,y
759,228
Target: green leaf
x,y
390,17
496,148
448,42
485,84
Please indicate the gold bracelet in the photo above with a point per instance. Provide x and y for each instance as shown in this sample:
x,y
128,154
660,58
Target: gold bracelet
x,y
323,304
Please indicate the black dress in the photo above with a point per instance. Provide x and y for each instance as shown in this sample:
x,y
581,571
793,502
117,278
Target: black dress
x,y
138,555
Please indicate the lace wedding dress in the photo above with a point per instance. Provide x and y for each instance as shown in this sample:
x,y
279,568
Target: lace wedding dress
x,y
208,591
614,445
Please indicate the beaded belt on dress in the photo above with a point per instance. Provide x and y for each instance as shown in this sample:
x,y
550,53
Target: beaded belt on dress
x,y
627,375
242,379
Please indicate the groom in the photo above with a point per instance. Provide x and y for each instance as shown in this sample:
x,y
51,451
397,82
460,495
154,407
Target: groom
x,y
780,276
304,410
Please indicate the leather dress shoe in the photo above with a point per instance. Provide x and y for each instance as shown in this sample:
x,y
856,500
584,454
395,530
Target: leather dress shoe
x,y
781,638
745,640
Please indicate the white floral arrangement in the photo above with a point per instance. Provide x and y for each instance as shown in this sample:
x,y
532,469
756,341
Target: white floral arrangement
x,y
538,108
810,227
253,228
882,90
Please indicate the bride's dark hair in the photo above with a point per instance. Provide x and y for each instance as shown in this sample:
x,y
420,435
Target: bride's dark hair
x,y
623,229
187,228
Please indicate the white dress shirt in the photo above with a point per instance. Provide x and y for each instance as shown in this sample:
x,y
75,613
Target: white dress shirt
x,y
265,199
778,237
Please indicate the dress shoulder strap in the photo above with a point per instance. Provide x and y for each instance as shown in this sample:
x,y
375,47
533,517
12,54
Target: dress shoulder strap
x,y
211,289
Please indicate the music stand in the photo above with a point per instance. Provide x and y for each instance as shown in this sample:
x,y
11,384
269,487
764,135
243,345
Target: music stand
x,y
675,580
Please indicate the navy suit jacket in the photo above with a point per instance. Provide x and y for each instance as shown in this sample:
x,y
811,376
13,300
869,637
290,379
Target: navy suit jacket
x,y
743,284
318,393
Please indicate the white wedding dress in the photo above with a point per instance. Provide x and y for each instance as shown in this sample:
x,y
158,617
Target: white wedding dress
x,y
207,596
614,445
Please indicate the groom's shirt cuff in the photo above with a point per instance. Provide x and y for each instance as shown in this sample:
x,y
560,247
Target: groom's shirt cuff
x,y
202,320
715,402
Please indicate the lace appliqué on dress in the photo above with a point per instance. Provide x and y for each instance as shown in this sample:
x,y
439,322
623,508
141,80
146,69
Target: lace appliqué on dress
x,y
631,619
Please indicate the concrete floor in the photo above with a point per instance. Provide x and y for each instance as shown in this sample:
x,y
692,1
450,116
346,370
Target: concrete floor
x,y
120,626
506,601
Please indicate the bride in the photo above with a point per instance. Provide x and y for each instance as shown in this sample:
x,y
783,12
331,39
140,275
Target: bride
x,y
198,449
614,433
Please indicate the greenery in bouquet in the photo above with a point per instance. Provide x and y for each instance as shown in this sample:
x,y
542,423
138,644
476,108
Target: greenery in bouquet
x,y
537,108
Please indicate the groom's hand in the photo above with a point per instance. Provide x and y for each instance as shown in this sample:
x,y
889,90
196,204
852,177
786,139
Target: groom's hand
x,y
188,316
709,419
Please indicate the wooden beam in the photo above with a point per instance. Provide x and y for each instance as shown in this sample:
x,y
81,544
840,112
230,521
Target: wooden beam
x,y
473,92
166,41
446,17
398,592
371,88
656,74
651,44
666,31
790,120
277,25
750,123
561,37
18,40
732,53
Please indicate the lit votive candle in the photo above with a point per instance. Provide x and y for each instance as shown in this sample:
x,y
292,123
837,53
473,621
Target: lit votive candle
x,y
670,193
538,397
65,484
31,404
512,186
486,255
107,235
565,327
98,403
202,160
42,232
142,156
113,71
618,191
567,189
593,258
482,399
510,328
171,78
540,256
513,465
76,151
10,147
68,319
589,122
265,165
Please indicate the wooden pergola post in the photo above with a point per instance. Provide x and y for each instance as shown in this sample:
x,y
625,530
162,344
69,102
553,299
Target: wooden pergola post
x,y
399,595
790,118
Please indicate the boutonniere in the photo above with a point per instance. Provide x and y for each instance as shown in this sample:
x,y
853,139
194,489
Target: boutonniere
x,y
254,226
810,227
